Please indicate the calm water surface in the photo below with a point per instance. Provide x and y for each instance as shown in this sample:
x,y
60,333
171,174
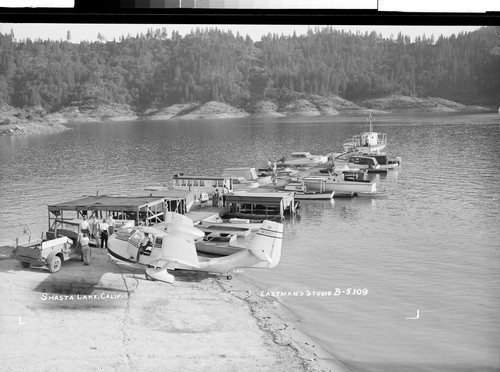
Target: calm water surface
x,y
431,246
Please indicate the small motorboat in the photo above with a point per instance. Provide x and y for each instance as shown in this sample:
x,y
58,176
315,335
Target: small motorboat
x,y
385,162
304,159
221,244
223,229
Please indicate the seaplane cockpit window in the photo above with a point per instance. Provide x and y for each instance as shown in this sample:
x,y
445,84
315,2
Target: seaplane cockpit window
x,y
135,239
125,233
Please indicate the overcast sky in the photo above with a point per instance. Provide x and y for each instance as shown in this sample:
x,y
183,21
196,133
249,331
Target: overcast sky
x,y
80,32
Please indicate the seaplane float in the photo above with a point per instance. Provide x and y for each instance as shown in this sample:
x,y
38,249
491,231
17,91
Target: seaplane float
x,y
173,247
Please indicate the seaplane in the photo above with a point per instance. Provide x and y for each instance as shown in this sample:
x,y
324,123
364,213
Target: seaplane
x,y
172,247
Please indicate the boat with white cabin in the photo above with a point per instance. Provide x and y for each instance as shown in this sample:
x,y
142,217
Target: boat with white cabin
x,y
303,192
336,181
367,142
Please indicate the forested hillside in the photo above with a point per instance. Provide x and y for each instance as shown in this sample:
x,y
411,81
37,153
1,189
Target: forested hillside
x,y
160,69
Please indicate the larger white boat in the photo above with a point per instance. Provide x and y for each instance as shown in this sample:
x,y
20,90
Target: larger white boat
x,y
367,142
336,181
304,159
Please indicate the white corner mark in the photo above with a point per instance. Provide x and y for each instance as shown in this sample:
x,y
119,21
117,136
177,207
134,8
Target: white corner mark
x,y
418,316
20,321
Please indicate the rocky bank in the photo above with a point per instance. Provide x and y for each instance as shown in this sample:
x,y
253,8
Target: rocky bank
x,y
15,121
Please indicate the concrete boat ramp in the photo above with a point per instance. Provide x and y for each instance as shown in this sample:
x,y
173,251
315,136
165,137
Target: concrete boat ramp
x,y
108,317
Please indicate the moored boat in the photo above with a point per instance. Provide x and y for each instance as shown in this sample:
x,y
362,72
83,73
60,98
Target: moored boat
x,y
223,229
242,223
368,142
336,181
304,159
303,192
385,162
352,160
240,184
249,174
218,243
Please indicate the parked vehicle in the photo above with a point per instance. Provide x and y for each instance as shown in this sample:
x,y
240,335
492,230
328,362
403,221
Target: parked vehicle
x,y
50,252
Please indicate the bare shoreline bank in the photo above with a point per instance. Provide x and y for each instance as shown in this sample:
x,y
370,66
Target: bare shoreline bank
x,y
37,121
120,320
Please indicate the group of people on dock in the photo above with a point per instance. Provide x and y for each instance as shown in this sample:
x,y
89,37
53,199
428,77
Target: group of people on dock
x,y
94,228
219,197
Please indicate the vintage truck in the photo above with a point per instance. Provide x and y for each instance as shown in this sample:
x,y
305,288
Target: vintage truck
x,y
51,252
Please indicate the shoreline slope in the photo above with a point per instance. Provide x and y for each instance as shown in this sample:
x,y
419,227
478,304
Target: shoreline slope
x,y
107,316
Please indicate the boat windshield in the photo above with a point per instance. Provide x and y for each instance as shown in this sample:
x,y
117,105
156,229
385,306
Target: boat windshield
x,y
344,157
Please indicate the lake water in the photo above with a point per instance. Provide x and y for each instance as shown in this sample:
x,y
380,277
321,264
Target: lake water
x,y
431,246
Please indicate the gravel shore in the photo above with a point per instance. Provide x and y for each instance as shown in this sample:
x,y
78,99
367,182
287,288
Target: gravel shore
x,y
108,317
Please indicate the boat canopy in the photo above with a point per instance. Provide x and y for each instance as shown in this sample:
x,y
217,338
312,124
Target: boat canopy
x,y
279,201
151,209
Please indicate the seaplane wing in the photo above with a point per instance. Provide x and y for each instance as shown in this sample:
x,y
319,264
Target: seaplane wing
x,y
177,251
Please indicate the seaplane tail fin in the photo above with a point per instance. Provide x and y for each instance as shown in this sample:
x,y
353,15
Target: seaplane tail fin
x,y
177,217
267,244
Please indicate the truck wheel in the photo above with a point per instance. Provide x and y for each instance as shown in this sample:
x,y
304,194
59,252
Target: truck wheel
x,y
25,264
55,264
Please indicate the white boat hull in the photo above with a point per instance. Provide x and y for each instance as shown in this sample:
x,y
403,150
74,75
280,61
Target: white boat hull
x,y
218,248
342,186
300,195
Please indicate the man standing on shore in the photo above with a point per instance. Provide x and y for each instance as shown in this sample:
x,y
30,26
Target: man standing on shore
x,y
104,234
84,242
84,226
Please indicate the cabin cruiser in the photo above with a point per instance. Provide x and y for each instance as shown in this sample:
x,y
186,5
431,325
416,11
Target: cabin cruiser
x,y
304,159
353,160
385,162
367,142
